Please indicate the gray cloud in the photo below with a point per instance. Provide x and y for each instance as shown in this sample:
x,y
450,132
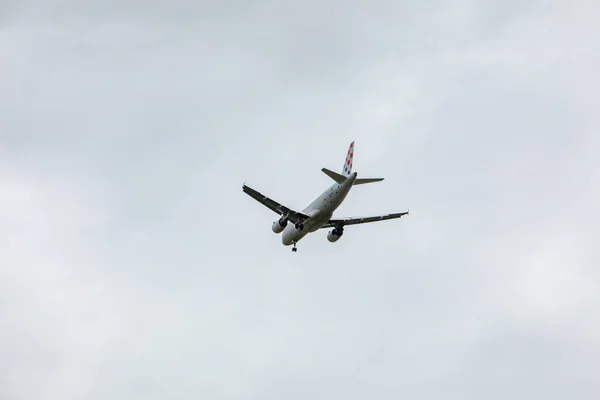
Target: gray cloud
x,y
133,265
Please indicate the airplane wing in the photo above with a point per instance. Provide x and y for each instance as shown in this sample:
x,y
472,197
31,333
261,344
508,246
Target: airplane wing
x,y
332,223
293,216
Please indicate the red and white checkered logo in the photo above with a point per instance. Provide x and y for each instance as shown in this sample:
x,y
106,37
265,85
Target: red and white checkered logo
x,y
348,164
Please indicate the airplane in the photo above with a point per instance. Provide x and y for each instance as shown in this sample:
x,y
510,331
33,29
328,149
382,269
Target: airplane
x,y
319,213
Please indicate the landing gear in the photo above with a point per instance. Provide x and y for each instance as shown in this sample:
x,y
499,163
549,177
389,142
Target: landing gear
x,y
299,226
294,249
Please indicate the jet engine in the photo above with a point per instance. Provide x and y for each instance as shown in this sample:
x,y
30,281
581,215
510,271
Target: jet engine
x,y
279,225
335,235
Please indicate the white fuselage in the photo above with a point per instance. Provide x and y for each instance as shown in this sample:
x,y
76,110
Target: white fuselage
x,y
320,211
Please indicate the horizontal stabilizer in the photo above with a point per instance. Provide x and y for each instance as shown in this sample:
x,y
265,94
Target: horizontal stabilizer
x,y
339,178
361,181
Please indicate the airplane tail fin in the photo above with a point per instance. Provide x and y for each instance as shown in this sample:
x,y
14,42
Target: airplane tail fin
x,y
348,163
347,171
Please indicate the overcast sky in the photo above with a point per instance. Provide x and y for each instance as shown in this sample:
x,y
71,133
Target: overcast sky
x,y
132,265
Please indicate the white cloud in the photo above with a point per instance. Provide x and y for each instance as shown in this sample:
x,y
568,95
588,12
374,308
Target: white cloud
x,y
57,320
